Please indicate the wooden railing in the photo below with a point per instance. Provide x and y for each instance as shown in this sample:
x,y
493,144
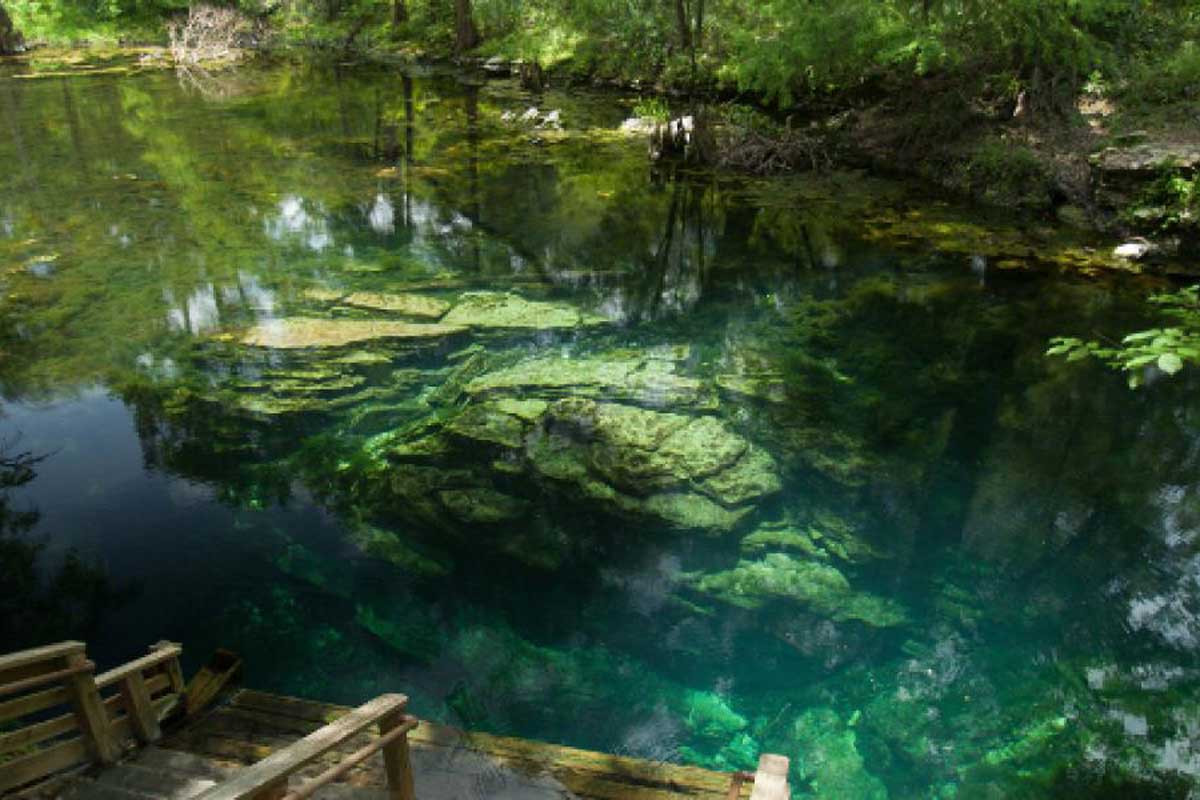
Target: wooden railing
x,y
268,779
37,685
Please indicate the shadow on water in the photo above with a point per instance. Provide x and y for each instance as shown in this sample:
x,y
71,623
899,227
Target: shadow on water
x,y
666,463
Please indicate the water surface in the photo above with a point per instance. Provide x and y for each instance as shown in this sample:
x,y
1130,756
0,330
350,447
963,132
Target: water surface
x,y
772,466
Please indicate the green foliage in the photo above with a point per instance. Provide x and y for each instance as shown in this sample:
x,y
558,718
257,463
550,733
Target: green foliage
x,y
652,108
1008,174
1166,349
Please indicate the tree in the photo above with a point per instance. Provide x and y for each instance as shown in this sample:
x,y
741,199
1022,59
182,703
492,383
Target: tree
x,y
11,40
466,35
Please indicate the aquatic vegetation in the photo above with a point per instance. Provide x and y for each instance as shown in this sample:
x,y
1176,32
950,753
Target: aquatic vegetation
x,y
304,332
507,310
810,584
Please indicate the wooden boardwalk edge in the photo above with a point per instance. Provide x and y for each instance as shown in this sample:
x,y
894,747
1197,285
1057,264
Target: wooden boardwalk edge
x,y
254,724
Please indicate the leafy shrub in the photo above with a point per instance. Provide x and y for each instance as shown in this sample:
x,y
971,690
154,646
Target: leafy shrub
x,y
1166,349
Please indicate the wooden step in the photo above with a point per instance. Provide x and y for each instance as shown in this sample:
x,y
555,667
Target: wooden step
x,y
161,783
89,789
157,758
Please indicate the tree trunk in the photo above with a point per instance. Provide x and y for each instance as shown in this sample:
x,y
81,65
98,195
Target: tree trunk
x,y
681,21
399,13
10,38
699,39
466,35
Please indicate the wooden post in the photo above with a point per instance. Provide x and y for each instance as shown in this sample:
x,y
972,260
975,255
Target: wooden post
x,y
396,762
770,782
90,711
142,717
174,672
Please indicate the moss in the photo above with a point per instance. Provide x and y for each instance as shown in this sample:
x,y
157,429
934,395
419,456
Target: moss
x,y
779,577
483,505
646,377
305,332
389,546
507,310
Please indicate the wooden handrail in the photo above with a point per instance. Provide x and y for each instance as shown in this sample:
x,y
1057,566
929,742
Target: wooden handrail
x,y
139,665
268,778
351,761
38,654
101,732
50,677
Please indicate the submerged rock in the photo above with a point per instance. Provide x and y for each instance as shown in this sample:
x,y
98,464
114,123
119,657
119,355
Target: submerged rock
x,y
508,310
304,332
389,546
685,472
647,377
817,586
406,304
636,451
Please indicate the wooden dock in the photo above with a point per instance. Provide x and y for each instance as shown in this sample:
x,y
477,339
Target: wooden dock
x,y
137,732
448,764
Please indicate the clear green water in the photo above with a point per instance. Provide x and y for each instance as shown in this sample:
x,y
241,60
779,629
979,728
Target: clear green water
x,y
791,474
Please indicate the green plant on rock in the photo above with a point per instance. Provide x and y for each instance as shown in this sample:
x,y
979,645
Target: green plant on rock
x,y
1166,349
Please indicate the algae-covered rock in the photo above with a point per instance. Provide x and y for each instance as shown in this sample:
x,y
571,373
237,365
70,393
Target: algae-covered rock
x,y
483,505
508,310
637,450
826,756
646,377
304,332
689,511
389,546
406,304
781,577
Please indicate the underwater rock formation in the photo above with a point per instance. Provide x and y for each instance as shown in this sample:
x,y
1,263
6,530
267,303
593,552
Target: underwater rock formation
x,y
405,304
644,377
508,310
819,587
304,332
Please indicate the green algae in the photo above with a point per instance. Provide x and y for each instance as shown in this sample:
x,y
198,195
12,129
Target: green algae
x,y
505,310
392,548
778,577
309,332
483,506
648,377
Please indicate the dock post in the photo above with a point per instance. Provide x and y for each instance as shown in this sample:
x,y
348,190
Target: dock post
x,y
90,712
396,762
770,781
142,716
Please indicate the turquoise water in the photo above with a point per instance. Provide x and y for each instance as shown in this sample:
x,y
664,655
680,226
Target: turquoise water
x,y
662,463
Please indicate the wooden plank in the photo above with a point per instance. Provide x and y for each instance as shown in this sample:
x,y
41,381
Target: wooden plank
x,y
582,771
92,715
155,659
770,781
140,710
241,736
397,765
122,726
212,678
29,736
42,763
57,676
32,703
283,763
25,658
174,671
